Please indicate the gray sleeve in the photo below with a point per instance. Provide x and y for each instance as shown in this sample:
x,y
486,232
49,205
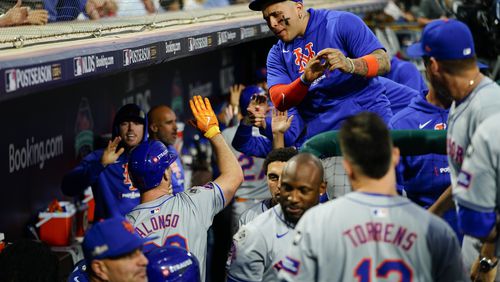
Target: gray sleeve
x,y
300,263
208,200
447,264
248,255
479,178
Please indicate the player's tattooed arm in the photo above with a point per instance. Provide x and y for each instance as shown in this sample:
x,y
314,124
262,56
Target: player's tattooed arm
x,y
361,64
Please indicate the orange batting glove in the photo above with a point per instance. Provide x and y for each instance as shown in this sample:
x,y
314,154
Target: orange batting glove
x,y
206,121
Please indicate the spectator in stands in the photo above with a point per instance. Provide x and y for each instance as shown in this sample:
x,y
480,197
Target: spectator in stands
x,y
162,123
68,10
129,130
428,11
19,15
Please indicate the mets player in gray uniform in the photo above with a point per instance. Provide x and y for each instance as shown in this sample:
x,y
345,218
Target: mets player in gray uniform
x,y
273,167
448,50
184,219
477,191
258,246
371,234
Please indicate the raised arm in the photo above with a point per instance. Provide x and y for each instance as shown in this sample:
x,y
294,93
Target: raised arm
x,y
231,174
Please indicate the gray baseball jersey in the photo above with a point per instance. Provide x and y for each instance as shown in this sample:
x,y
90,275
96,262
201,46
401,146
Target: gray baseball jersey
x,y
383,238
254,211
465,117
259,246
181,220
254,184
478,184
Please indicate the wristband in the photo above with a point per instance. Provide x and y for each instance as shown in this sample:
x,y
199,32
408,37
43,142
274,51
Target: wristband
x,y
371,64
212,131
352,65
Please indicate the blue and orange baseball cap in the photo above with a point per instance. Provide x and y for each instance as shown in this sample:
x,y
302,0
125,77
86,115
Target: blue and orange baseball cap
x,y
111,238
447,39
259,5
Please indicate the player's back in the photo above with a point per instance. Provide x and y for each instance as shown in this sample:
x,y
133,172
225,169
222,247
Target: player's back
x,y
181,220
384,238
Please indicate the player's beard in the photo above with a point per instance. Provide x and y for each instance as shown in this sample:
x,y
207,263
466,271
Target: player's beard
x,y
441,90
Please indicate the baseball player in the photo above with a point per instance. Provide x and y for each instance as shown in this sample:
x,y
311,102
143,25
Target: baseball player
x,y
129,129
424,178
273,167
384,237
258,116
184,219
324,64
258,247
398,94
113,252
476,192
447,47
163,127
406,73
253,189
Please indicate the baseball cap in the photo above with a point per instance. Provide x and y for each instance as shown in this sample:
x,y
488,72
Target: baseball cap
x,y
246,96
447,39
259,5
110,238
147,164
130,112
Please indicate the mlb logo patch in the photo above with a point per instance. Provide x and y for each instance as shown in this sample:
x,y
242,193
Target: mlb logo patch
x,y
10,80
154,211
380,212
464,179
127,57
77,66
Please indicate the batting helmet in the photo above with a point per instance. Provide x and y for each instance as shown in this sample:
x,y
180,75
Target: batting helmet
x,y
148,163
246,96
171,263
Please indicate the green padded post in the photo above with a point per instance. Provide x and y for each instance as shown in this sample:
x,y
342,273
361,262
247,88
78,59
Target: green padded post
x,y
409,142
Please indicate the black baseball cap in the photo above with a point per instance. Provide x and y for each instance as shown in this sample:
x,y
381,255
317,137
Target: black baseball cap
x,y
130,112
259,5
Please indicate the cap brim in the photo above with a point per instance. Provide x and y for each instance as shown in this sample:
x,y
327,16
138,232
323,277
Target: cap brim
x,y
415,51
482,66
259,5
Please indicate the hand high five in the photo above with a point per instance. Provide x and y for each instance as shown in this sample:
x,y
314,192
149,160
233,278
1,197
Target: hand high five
x,y
206,121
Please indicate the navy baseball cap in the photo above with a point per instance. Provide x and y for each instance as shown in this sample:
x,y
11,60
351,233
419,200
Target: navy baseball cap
x,y
259,5
147,164
447,39
111,238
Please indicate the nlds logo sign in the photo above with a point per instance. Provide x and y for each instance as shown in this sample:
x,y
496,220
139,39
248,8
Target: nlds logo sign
x,y
16,79
225,36
89,64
